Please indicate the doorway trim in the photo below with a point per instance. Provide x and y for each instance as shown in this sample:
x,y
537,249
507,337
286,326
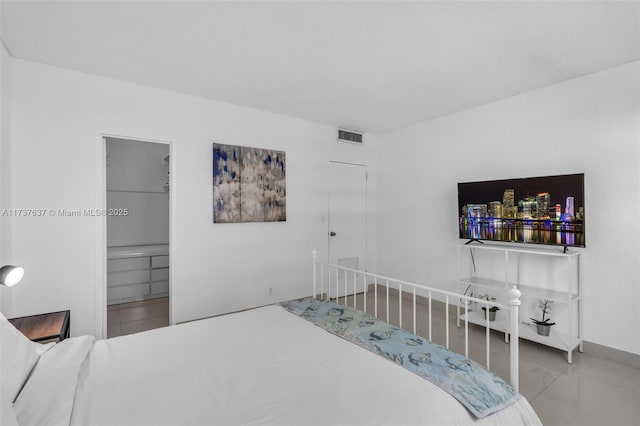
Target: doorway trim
x,y
101,227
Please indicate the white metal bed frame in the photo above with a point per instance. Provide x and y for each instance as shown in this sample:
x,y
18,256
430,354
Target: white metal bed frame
x,y
328,278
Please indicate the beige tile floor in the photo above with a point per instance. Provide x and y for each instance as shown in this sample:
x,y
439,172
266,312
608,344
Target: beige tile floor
x,y
133,317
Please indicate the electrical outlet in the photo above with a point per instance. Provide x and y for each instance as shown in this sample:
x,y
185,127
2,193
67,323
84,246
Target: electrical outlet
x,y
270,291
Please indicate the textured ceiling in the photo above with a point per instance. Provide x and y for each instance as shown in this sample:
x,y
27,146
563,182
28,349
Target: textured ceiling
x,y
368,66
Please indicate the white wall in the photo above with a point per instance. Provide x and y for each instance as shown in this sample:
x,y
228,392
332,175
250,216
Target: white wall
x,y
136,175
57,119
5,172
590,124
136,165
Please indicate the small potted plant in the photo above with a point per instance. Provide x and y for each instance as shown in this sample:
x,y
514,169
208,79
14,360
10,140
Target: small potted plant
x,y
543,326
492,309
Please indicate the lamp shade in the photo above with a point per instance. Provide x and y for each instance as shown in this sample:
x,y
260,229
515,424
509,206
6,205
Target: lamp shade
x,y
11,275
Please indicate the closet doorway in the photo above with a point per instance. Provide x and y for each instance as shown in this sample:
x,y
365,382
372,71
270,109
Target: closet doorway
x,y
137,235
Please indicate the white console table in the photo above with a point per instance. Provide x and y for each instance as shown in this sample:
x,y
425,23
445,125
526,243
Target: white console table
x,y
539,273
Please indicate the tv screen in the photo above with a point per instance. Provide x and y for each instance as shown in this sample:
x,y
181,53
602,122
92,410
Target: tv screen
x,y
536,210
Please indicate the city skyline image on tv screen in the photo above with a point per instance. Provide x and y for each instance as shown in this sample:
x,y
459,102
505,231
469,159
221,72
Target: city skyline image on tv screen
x,y
537,210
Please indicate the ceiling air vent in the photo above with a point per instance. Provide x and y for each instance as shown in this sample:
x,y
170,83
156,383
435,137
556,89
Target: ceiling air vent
x,y
349,136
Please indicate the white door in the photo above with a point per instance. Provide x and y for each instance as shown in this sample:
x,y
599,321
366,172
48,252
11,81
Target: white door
x,y
347,218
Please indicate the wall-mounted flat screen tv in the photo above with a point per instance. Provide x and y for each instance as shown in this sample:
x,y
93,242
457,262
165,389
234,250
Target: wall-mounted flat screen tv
x,y
536,210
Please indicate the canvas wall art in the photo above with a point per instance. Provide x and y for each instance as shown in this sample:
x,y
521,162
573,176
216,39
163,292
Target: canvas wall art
x,y
248,184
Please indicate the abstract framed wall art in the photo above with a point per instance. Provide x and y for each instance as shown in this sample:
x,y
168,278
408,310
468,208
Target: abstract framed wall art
x,y
249,184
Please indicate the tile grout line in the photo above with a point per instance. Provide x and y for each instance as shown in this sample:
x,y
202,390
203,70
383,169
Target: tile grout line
x,y
552,382
145,304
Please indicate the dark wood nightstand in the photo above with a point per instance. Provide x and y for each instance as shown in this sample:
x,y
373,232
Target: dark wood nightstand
x,y
44,328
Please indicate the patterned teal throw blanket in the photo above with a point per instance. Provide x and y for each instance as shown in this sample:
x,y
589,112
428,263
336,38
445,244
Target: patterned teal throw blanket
x,y
481,391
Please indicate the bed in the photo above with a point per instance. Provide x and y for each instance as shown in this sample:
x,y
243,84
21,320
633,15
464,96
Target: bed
x,y
291,363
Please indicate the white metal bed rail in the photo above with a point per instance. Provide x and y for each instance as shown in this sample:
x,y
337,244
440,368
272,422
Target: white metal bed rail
x,y
329,279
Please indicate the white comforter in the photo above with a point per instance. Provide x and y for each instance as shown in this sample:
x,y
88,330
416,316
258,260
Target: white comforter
x,y
264,366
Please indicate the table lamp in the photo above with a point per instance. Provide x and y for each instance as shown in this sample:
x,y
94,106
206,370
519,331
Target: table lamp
x,y
10,275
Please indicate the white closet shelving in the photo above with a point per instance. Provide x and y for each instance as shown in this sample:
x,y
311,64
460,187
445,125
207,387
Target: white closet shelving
x,y
137,273
539,274
167,163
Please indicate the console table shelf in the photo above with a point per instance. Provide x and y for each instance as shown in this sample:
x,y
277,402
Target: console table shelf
x,y
554,276
541,293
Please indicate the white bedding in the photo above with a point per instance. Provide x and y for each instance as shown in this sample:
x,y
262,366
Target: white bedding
x,y
264,366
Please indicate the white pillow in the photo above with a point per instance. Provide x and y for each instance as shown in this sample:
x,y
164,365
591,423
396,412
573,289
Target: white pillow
x,y
18,355
47,397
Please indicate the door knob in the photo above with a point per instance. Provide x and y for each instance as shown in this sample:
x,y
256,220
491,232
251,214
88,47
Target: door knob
x,y
332,234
